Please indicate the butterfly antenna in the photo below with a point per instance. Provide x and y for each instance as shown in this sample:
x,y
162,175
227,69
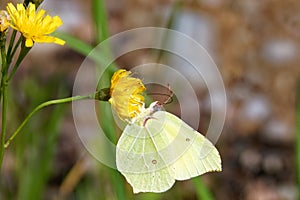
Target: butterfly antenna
x,y
170,96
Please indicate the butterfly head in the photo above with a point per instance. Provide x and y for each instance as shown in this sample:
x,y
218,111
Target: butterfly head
x,y
154,107
146,113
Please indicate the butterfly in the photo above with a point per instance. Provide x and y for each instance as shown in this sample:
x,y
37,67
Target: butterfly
x,y
158,148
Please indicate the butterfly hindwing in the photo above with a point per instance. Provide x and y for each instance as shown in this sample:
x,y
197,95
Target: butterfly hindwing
x,y
155,181
139,159
165,148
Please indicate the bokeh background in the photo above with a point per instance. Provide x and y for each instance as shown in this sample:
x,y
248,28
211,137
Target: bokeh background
x,y
255,45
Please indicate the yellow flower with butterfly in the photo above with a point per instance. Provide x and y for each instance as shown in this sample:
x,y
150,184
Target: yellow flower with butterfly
x,y
156,147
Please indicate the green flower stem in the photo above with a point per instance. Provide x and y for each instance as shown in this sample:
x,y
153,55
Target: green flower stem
x,y
11,43
23,53
11,52
4,107
4,94
45,104
3,130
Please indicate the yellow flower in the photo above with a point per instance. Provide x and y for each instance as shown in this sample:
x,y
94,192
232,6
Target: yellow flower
x,y
4,20
126,94
34,26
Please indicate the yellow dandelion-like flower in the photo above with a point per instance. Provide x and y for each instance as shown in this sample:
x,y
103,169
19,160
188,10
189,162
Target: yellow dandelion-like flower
x,y
34,26
126,94
4,20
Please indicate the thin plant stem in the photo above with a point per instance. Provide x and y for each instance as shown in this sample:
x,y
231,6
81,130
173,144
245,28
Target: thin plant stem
x,y
23,53
10,53
4,96
39,107
11,43
3,130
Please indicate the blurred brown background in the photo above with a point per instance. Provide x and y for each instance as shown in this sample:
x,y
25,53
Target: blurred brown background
x,y
255,45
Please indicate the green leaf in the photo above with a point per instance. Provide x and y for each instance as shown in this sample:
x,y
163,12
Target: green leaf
x,y
100,19
75,43
201,190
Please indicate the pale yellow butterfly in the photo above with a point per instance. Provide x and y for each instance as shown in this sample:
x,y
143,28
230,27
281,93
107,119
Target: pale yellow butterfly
x,y
158,148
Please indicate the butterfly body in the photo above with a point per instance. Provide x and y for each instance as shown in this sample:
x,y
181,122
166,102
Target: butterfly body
x,y
158,148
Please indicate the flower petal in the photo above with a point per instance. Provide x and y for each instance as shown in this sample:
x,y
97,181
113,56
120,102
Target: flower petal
x,y
28,43
126,96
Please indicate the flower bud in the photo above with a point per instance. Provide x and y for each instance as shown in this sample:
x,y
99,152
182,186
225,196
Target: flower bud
x,y
4,20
